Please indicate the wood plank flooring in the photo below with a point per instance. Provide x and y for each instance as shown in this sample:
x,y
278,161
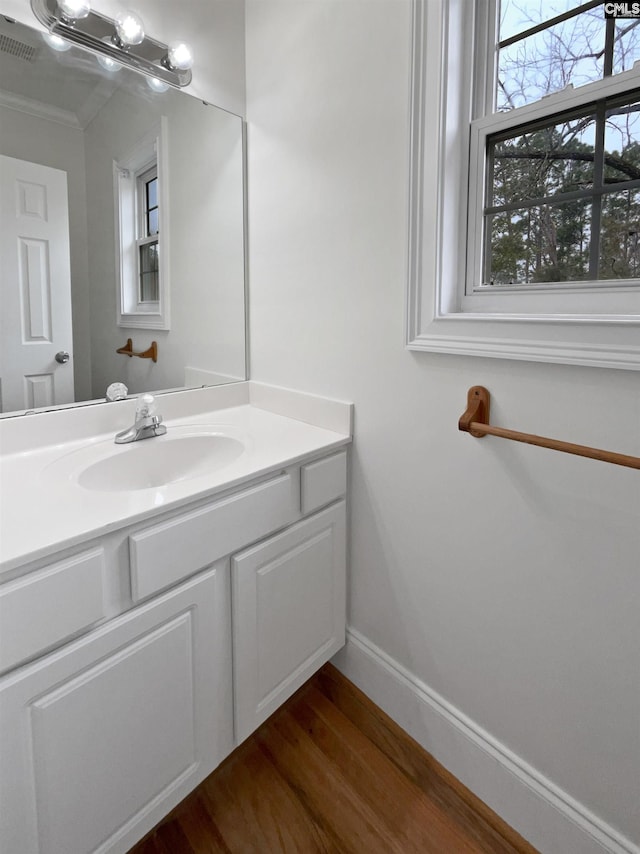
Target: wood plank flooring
x,y
330,773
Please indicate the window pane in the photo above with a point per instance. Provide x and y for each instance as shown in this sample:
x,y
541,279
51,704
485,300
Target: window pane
x,y
153,222
558,158
149,279
152,193
149,288
548,243
570,52
149,258
620,236
516,16
622,143
626,48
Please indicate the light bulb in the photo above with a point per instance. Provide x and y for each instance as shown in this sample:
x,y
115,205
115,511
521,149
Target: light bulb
x,y
56,42
156,84
129,28
108,64
73,10
179,56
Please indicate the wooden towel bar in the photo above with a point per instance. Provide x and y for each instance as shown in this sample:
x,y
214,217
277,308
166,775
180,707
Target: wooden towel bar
x,y
150,353
475,421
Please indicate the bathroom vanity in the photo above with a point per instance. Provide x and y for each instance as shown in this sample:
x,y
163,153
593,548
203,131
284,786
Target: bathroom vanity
x,y
147,630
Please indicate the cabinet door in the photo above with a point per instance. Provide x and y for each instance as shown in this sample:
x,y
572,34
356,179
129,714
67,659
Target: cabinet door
x,y
288,596
100,739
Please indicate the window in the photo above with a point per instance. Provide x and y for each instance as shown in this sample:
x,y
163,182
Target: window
x,y
141,179
148,236
525,241
563,198
557,178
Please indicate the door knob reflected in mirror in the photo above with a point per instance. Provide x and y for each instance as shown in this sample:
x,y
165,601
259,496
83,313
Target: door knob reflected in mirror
x,y
62,357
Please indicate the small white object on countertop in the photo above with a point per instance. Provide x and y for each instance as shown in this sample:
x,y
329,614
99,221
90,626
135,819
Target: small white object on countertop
x,y
117,391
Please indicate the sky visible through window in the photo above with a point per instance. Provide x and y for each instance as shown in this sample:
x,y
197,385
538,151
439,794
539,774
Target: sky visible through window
x,y
570,52
518,15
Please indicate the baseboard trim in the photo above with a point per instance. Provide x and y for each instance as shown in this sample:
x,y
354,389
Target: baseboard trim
x,y
545,815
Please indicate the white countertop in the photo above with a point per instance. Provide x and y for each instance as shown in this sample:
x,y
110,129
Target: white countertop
x,y
43,509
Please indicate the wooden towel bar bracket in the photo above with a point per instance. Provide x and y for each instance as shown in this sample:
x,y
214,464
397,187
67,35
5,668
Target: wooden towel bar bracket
x,y
475,420
150,353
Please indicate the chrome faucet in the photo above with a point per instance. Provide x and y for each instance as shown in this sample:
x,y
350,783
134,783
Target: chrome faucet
x,y
147,423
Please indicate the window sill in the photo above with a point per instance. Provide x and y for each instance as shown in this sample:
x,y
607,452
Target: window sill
x,y
143,321
600,344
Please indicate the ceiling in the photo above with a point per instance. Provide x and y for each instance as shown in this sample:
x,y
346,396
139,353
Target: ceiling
x,y
69,87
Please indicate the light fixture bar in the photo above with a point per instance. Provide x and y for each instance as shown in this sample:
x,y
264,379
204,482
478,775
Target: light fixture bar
x,y
95,32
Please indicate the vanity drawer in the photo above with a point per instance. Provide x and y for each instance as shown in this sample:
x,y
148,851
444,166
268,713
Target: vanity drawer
x,y
47,606
172,550
322,482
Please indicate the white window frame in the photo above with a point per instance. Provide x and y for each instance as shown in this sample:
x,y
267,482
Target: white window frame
x,y
565,326
150,151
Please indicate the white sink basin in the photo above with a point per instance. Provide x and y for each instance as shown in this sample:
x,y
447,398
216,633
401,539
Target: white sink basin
x,y
155,463
150,463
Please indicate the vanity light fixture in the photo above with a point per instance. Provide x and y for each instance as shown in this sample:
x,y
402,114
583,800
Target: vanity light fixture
x,y
109,64
156,84
129,30
74,10
56,43
179,56
122,40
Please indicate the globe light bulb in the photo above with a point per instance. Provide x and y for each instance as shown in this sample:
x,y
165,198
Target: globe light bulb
x,y
56,42
129,28
108,64
156,84
74,10
179,56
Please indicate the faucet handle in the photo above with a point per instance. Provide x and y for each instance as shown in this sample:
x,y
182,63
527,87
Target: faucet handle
x,y
146,406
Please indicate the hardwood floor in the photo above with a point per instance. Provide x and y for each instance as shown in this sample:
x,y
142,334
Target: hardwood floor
x,y
329,772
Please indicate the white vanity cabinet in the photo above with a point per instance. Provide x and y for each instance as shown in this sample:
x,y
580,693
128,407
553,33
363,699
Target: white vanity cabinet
x,y
288,613
102,737
188,630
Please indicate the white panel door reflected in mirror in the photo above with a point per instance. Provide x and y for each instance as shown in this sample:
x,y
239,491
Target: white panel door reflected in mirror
x,y
35,322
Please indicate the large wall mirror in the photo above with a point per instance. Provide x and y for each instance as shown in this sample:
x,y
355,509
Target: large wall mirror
x,y
121,220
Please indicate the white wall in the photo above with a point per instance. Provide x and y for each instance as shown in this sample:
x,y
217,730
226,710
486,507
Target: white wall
x,y
503,578
39,140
